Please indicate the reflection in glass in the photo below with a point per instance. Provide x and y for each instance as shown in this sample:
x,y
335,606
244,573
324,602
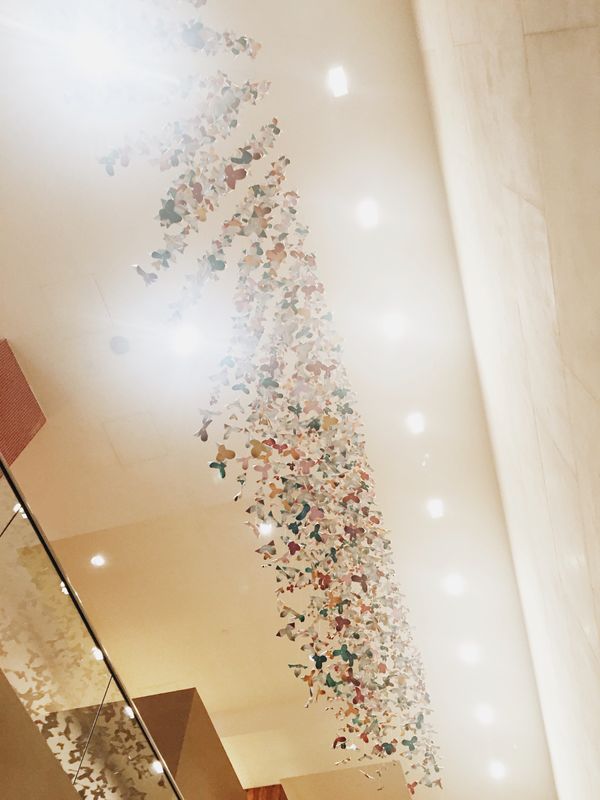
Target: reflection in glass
x,y
50,659
119,758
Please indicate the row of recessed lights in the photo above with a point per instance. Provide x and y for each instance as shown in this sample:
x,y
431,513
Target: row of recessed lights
x,y
415,423
367,211
455,584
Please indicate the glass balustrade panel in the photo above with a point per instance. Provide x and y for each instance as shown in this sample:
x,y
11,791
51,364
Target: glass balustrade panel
x,y
52,663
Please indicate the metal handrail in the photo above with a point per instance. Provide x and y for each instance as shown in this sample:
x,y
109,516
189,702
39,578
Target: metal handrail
x,y
84,618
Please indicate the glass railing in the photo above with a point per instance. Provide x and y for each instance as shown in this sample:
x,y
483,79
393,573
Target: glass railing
x,y
61,674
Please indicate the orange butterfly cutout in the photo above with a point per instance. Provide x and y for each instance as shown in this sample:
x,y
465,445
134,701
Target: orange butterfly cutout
x,y
223,453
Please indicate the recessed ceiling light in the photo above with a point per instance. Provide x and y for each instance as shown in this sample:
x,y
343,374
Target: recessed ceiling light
x,y
337,81
498,770
392,326
98,654
454,584
485,714
265,528
98,560
367,213
185,340
415,422
469,652
436,508
157,767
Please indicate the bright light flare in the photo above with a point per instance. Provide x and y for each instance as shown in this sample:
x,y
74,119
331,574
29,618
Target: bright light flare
x,y
436,508
265,528
18,509
485,714
185,340
367,213
97,654
415,423
337,81
470,653
498,770
454,584
95,56
392,326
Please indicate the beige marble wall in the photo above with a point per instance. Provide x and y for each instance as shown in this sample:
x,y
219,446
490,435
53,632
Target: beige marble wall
x,y
515,88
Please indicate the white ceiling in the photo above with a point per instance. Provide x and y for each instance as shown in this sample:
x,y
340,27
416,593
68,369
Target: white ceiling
x,y
182,600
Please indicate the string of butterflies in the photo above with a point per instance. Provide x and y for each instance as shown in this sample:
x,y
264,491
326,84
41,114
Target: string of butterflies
x,y
286,426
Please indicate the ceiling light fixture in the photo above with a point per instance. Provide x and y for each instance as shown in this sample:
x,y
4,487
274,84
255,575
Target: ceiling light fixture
x,y
436,508
485,714
337,81
415,423
470,653
98,560
367,213
498,770
454,584
392,326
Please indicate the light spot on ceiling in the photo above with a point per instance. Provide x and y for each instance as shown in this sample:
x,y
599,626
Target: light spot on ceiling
x,y
337,81
367,213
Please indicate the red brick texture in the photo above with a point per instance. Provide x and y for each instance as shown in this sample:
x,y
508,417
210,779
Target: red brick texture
x,y
20,414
